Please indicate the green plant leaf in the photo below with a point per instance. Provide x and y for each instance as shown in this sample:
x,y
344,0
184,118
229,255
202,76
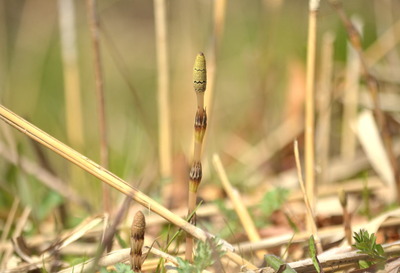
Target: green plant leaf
x,y
121,241
203,257
123,268
366,244
313,254
364,264
276,263
185,266
273,200
104,270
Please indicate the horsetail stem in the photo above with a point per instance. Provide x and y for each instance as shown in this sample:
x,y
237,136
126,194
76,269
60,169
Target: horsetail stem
x,y
137,239
200,126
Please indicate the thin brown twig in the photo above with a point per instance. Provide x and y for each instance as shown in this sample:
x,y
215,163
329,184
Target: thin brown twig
x,y
346,216
310,209
94,29
373,87
106,244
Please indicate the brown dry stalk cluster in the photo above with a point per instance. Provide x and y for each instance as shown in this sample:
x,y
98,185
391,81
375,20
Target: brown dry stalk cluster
x,y
137,239
200,126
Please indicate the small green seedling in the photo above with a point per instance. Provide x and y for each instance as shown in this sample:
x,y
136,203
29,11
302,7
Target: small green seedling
x,y
204,257
366,244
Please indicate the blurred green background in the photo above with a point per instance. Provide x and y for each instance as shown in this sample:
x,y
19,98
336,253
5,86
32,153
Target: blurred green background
x,y
260,44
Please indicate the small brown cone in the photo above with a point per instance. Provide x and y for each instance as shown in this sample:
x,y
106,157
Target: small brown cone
x,y
137,240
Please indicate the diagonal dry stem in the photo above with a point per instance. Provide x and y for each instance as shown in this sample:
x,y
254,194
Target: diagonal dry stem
x,y
310,209
111,179
240,208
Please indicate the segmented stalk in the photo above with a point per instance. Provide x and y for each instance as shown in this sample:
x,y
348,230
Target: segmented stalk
x,y
137,240
200,126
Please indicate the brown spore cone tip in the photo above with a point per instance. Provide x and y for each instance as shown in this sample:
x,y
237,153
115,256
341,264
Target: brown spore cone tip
x,y
137,240
200,74
138,226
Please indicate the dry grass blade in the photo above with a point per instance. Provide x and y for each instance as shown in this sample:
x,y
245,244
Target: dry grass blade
x,y
241,210
310,210
10,220
106,260
79,231
384,44
17,232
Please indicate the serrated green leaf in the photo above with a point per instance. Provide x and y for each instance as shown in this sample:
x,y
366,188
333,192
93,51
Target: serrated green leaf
x,y
366,244
184,266
203,257
380,250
